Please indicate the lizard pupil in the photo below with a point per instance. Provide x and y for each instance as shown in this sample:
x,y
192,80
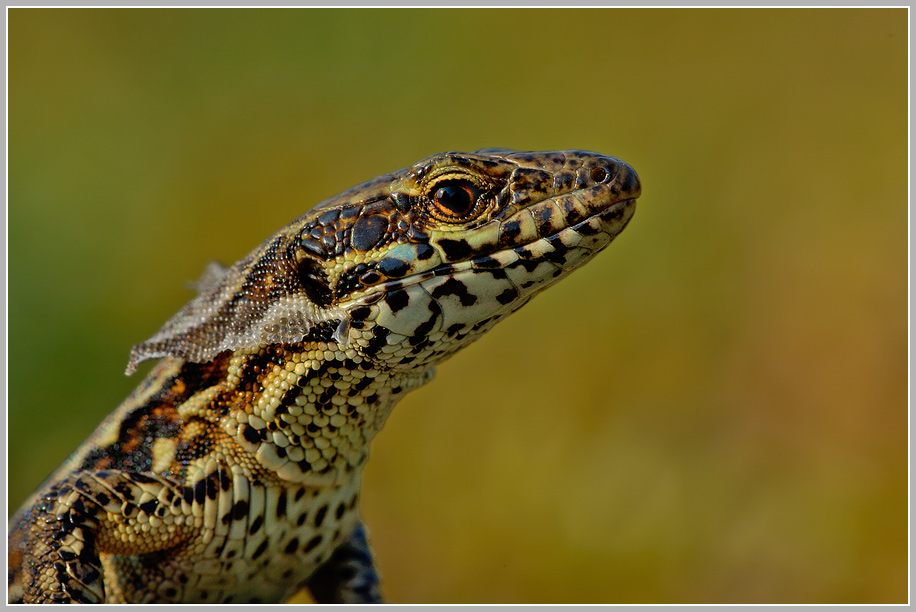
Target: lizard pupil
x,y
456,198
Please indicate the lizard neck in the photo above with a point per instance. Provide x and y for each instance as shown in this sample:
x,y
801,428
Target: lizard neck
x,y
305,412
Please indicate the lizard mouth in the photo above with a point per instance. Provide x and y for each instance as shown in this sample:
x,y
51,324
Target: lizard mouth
x,y
594,232
611,214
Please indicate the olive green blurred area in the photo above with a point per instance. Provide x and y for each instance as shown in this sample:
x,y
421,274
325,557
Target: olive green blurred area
x,y
714,410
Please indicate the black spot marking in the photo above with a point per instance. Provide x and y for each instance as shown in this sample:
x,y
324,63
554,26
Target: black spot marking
x,y
326,395
370,278
212,486
102,499
397,300
292,547
564,181
379,339
256,525
360,312
455,287
340,511
487,263
393,267
423,329
542,216
570,212
150,506
587,229
240,510
200,491
288,399
281,504
509,233
259,550
225,482
251,434
529,265
361,384
367,232
319,516
312,544
524,253
507,296
455,250
424,251
557,256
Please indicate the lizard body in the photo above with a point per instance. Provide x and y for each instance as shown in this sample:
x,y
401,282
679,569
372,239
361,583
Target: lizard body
x,y
232,473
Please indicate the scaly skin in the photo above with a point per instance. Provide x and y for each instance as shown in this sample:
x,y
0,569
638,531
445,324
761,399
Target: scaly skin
x,y
232,473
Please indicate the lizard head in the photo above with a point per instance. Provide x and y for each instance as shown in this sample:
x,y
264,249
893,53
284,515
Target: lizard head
x,y
411,266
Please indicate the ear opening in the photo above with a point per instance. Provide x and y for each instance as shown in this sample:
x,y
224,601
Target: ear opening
x,y
314,282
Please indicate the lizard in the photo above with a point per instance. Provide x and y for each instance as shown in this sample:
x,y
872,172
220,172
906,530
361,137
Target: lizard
x,y
232,473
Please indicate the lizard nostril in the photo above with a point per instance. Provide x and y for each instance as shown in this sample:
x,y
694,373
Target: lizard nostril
x,y
599,174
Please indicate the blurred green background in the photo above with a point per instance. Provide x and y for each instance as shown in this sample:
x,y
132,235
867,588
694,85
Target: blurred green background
x,y
714,410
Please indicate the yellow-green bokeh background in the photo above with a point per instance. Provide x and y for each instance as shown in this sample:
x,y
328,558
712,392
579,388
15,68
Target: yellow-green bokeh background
x,y
714,410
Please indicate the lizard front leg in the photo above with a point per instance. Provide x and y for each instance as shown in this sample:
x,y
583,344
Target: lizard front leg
x,y
349,576
113,511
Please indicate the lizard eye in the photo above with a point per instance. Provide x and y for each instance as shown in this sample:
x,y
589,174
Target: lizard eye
x,y
454,200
